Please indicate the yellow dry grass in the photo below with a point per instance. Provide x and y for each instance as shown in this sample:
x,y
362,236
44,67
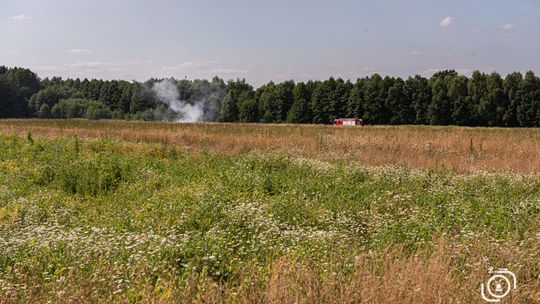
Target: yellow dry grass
x,y
453,148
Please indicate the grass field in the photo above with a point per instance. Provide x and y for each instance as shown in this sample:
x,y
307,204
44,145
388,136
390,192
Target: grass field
x,y
456,149
186,213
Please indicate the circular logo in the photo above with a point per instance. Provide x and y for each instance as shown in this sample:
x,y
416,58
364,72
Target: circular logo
x,y
498,286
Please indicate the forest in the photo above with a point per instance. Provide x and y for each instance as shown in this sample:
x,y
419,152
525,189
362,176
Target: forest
x,y
446,98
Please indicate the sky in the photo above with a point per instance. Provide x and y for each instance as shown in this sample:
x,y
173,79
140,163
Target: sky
x,y
268,40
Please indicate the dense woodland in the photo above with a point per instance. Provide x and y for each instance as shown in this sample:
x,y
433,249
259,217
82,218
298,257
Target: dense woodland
x,y
444,99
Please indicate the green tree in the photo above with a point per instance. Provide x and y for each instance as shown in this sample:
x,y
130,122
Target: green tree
x,y
50,95
7,95
512,89
249,109
230,108
355,104
493,102
300,111
97,110
477,91
440,109
276,100
44,111
528,109
24,83
339,99
77,108
399,104
462,106
321,102
375,111
419,92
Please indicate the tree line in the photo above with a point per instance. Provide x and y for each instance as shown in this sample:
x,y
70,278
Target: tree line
x,y
446,98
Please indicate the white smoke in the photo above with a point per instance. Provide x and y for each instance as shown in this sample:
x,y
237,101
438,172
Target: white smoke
x,y
167,91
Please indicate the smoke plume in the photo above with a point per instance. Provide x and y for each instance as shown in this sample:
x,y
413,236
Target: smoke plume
x,y
167,91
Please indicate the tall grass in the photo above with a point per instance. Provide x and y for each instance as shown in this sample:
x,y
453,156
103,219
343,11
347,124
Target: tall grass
x,y
107,220
448,148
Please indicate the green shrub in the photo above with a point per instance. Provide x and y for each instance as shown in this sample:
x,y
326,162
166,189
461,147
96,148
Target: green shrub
x,y
87,176
96,111
81,108
44,111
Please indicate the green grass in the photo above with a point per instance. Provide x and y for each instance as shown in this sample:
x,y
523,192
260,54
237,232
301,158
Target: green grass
x,y
117,217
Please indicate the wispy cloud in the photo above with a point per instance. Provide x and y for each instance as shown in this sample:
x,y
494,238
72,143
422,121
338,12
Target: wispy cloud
x,y
11,52
191,65
206,68
86,64
507,26
417,53
433,70
79,51
476,30
336,66
221,71
99,64
20,18
447,21
49,68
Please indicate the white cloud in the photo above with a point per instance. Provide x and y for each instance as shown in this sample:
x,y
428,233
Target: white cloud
x,y
507,26
20,18
446,21
476,30
417,53
79,51
368,69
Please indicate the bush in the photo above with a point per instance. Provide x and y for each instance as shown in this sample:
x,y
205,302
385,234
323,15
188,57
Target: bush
x,y
88,176
81,108
97,111
44,111
49,96
147,115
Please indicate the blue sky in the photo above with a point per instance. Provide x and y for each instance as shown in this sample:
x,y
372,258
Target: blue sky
x,y
268,40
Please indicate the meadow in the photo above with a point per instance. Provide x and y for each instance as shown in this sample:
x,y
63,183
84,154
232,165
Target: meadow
x,y
135,212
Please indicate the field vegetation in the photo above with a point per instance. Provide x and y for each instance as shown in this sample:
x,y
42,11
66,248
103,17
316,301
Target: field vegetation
x,y
195,213
457,149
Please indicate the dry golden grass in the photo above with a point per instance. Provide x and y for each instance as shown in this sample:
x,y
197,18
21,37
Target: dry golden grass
x,y
452,148
389,277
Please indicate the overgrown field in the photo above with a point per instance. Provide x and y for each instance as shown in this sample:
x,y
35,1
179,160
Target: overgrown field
x,y
457,149
122,220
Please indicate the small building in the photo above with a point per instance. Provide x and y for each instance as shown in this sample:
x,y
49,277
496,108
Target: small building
x,y
348,122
